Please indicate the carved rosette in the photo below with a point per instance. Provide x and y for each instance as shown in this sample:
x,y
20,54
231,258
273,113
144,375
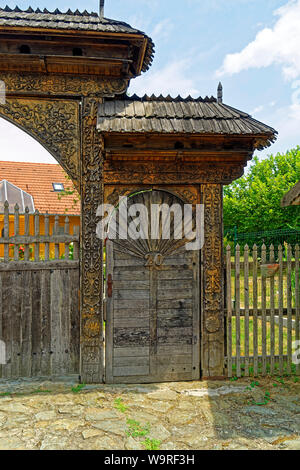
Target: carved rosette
x,y
212,304
92,361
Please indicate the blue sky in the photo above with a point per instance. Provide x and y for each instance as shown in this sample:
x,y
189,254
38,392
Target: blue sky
x,y
252,46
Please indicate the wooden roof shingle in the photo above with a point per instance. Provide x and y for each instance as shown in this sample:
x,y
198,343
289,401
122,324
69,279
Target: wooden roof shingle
x,y
181,116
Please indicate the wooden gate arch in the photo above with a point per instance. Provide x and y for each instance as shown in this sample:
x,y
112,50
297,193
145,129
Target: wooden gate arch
x,y
152,290
76,106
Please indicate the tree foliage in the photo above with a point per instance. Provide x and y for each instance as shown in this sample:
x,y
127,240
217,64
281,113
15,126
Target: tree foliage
x,y
252,203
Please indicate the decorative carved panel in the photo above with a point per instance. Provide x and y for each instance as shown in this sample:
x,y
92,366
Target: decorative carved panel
x,y
67,85
212,282
158,172
92,361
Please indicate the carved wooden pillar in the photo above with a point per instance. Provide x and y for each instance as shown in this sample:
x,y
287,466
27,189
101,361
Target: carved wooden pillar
x,y
212,278
91,347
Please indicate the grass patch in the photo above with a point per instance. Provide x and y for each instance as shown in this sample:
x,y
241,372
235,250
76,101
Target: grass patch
x,y
78,388
119,405
135,429
151,444
259,337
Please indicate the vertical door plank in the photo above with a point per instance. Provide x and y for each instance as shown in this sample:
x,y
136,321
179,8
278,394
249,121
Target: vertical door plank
x,y
109,325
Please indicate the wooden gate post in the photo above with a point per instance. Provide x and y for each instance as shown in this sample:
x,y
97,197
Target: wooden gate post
x,y
212,343
91,337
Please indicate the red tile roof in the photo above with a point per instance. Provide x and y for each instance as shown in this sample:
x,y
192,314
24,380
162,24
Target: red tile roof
x,y
36,179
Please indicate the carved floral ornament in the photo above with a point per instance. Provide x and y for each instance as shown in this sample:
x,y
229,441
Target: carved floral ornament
x,y
53,123
162,173
67,85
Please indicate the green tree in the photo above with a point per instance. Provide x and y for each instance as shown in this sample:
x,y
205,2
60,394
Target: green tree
x,y
252,203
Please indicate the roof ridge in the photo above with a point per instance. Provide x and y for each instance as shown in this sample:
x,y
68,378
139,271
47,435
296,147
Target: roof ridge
x,y
169,98
45,11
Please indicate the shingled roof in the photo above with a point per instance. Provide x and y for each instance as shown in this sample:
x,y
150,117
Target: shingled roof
x,y
71,20
292,198
179,115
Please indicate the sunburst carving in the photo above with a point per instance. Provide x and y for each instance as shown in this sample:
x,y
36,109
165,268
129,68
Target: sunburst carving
x,y
151,237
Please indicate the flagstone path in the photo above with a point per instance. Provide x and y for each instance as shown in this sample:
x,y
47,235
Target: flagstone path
x,y
174,416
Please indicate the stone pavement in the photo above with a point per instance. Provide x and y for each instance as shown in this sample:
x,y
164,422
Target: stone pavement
x,y
238,414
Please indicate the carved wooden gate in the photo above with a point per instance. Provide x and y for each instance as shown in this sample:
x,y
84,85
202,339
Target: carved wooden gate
x,y
152,323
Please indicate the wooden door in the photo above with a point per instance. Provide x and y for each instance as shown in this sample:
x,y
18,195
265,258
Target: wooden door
x,y
152,323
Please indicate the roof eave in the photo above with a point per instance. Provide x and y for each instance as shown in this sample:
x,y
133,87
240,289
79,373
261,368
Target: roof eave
x,y
147,49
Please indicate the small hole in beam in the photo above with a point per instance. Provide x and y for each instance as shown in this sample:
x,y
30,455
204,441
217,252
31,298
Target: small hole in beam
x,y
179,145
77,51
24,49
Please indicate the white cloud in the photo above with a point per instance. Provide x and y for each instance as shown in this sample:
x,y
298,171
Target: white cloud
x,y
172,79
257,110
278,45
162,29
286,119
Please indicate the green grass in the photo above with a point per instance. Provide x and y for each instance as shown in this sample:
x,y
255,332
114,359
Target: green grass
x,y
78,388
151,444
119,405
259,295
135,429
259,338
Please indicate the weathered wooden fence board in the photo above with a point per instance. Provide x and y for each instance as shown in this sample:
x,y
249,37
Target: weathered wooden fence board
x,y
39,299
262,311
40,322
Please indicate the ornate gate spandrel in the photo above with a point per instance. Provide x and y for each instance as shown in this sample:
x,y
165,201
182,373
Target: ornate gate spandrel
x,y
53,123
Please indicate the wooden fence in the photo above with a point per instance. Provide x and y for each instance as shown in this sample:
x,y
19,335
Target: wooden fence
x,y
262,310
39,296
